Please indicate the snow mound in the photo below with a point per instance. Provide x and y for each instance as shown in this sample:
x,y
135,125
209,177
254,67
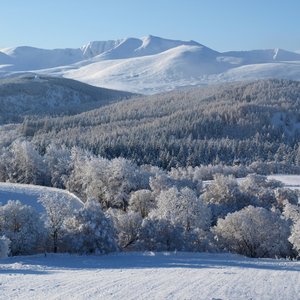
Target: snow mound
x,y
30,194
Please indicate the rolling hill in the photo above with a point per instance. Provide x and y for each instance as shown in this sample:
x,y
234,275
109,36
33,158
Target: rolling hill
x,y
32,94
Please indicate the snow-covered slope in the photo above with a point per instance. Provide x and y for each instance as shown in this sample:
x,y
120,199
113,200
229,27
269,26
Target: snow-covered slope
x,y
149,276
29,195
181,65
151,64
263,56
279,70
43,95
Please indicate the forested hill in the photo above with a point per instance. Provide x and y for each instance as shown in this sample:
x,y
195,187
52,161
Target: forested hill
x,y
246,122
31,94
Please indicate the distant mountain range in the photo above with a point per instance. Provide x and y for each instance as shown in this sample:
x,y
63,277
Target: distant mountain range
x,y
150,64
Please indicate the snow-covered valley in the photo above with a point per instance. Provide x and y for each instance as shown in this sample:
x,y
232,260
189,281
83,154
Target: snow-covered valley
x,y
149,276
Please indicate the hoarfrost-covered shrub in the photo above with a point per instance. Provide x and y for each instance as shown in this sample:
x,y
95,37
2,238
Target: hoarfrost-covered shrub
x,y
23,226
141,201
295,237
160,235
223,195
254,232
182,207
90,230
127,225
58,208
4,247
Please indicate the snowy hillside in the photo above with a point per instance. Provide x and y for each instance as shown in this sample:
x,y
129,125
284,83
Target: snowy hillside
x,y
180,66
151,64
43,95
30,194
149,276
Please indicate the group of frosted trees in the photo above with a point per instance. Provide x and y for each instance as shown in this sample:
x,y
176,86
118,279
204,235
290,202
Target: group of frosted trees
x,y
60,228
129,207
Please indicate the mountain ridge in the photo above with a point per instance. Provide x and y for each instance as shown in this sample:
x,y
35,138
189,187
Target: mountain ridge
x,y
150,64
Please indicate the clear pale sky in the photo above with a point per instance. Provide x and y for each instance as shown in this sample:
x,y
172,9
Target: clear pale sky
x,y
220,24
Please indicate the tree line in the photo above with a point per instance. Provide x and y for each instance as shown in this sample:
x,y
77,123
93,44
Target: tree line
x,y
130,207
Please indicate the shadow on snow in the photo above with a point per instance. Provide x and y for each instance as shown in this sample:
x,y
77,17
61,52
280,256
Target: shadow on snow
x,y
142,261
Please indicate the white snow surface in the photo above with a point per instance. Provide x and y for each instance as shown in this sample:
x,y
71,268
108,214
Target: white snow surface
x,y
148,276
29,194
289,181
151,64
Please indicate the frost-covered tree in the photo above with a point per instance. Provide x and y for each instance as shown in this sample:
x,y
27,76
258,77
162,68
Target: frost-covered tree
x,y
22,225
58,160
58,208
26,165
295,236
127,225
142,201
182,207
254,232
284,196
160,235
160,182
262,192
123,178
108,181
90,230
4,247
291,212
199,240
83,174
223,195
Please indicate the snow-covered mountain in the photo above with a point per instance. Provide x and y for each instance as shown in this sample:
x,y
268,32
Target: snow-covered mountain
x,y
151,64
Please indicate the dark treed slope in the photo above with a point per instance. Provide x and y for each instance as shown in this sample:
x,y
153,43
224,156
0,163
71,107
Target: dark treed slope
x,y
249,122
43,95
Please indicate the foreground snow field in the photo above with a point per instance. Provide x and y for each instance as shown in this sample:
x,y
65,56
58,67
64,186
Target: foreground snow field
x,y
148,276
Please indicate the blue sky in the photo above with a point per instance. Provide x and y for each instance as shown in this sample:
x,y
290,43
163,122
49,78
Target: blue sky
x,y
220,24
